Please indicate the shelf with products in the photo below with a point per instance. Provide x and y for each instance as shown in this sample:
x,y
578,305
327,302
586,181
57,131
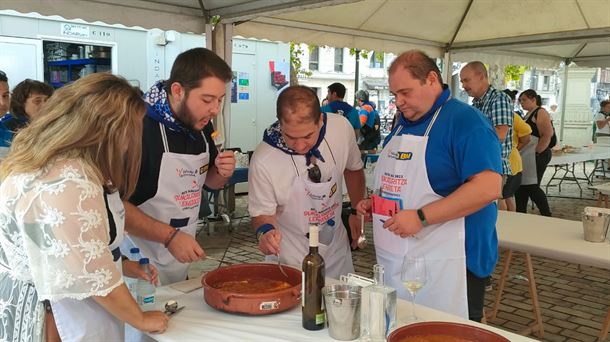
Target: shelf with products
x,y
81,61
66,71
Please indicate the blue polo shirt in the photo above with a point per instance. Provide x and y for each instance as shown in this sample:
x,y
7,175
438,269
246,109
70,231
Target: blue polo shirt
x,y
461,144
345,109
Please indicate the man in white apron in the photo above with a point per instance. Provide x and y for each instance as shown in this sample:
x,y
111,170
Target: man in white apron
x,y
436,178
295,179
178,159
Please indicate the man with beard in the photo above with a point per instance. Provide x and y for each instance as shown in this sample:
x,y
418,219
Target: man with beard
x,y
178,159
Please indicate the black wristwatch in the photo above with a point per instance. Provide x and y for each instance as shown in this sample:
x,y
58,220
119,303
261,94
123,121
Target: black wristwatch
x,y
353,211
422,217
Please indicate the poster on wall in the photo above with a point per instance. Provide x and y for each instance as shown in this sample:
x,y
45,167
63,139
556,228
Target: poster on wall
x,y
243,82
280,75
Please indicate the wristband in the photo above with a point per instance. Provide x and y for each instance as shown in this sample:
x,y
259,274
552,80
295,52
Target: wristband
x,y
263,229
422,217
353,211
170,237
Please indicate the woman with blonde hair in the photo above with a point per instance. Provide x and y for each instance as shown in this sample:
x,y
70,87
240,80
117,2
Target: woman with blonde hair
x,y
61,215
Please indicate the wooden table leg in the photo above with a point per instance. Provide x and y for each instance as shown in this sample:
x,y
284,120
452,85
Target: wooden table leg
x,y
604,332
508,255
537,328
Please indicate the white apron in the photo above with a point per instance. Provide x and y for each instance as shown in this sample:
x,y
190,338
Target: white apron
x,y
529,174
86,320
401,173
177,201
315,203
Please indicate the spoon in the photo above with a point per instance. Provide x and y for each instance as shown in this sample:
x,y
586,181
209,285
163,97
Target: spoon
x,y
171,308
279,264
362,239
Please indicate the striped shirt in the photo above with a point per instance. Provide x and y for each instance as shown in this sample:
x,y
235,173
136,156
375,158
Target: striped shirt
x,y
498,108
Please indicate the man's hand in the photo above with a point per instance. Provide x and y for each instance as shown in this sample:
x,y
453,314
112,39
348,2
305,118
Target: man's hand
x,y
404,223
364,207
185,248
225,163
356,229
269,243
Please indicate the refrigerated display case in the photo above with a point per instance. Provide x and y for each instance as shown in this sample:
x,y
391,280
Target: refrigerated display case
x,y
67,62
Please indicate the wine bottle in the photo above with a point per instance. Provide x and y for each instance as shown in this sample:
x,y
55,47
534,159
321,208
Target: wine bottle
x,y
314,316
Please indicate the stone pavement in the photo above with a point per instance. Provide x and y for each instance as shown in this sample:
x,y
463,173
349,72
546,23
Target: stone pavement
x,y
574,299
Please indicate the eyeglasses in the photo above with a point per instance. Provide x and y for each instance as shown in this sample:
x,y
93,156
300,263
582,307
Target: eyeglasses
x,y
314,174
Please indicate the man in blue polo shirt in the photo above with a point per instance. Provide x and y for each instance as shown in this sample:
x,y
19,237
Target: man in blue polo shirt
x,y
438,176
335,95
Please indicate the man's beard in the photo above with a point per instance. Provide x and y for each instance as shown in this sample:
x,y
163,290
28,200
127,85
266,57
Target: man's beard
x,y
184,116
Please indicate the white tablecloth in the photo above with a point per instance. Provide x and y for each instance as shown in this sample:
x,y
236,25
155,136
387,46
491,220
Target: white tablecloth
x,y
596,152
550,237
200,322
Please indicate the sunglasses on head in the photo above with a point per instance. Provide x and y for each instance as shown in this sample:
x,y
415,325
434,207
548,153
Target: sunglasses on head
x,y
314,174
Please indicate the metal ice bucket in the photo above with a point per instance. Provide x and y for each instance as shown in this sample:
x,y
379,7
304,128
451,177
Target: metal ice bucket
x,y
595,223
342,303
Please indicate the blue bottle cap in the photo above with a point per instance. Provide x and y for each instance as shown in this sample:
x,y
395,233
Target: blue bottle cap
x,y
134,250
144,261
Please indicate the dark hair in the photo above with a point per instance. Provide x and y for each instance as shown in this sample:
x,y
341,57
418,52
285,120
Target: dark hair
x,y
338,89
23,91
604,103
192,66
531,94
511,93
418,64
3,77
297,98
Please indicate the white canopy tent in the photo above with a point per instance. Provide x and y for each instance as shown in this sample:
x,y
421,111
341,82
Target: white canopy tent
x,y
540,33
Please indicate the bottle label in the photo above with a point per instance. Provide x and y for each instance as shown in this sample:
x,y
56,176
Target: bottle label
x,y
146,300
320,318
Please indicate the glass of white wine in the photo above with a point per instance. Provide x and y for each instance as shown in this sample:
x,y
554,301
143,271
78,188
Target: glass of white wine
x,y
413,277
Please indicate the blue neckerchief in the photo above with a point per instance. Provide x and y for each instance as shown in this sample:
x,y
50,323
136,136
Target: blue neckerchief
x,y
9,116
160,111
273,137
404,122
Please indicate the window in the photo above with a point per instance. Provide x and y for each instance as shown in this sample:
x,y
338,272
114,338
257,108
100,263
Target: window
x,y
339,59
376,60
546,83
314,58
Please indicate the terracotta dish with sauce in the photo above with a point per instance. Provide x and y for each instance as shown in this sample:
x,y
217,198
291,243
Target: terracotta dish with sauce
x,y
443,332
253,289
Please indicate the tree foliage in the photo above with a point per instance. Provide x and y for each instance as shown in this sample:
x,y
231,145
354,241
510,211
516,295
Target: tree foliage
x,y
514,72
296,65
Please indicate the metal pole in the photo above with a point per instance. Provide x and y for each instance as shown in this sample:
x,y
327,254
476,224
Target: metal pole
x,y
564,88
357,78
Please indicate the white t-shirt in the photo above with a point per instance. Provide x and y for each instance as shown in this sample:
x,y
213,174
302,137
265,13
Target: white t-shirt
x,y
272,172
601,117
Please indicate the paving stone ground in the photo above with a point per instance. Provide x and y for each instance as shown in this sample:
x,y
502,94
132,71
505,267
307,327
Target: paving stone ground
x,y
574,299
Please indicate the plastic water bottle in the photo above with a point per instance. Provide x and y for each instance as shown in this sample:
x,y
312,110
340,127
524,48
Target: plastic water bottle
x,y
145,290
134,254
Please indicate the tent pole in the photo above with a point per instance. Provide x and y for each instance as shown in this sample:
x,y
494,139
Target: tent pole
x,y
357,72
448,69
564,88
228,57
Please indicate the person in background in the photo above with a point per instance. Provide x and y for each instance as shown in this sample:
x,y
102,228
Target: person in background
x,y
179,158
5,95
602,121
440,167
371,123
28,97
536,155
497,107
335,104
296,178
553,112
521,137
60,189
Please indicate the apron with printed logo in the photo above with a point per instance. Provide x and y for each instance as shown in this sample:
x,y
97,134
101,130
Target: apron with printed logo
x,y
86,320
401,174
177,201
315,203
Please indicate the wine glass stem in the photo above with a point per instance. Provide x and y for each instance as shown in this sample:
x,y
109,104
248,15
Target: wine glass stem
x,y
413,305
